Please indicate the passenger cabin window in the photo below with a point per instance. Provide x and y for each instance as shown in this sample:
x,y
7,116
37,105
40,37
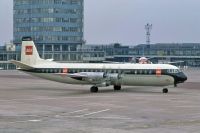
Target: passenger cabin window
x,y
145,71
60,71
150,71
140,71
135,71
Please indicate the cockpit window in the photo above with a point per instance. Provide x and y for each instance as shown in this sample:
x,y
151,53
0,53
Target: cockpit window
x,y
173,71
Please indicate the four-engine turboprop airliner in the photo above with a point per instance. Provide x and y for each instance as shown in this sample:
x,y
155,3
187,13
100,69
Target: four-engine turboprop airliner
x,y
99,74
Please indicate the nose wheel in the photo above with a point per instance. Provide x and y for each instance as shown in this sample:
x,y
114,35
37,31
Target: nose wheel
x,y
165,90
94,89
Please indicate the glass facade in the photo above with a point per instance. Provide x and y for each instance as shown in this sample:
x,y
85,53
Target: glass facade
x,y
172,52
167,49
6,55
49,21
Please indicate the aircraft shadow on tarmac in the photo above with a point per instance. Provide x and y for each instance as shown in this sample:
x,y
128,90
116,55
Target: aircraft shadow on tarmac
x,y
77,90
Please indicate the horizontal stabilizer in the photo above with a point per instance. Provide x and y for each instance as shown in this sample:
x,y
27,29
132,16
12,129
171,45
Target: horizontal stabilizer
x,y
21,65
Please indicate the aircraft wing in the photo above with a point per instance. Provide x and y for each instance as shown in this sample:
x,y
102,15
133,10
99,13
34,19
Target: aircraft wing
x,y
175,62
78,76
50,59
92,77
112,62
21,65
97,78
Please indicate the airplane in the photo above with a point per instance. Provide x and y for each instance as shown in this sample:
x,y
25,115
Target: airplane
x,y
97,74
144,60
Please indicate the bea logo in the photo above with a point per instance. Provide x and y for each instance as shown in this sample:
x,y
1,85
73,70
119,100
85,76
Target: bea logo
x,y
29,50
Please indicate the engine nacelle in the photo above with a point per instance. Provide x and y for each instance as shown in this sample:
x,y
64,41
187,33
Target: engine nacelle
x,y
101,75
93,75
105,79
112,76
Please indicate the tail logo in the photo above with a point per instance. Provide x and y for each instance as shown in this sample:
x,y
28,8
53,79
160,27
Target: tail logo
x,y
29,50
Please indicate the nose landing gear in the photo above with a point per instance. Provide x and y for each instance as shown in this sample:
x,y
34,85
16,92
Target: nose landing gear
x,y
94,89
117,87
165,90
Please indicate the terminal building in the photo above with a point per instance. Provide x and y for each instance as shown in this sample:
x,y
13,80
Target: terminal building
x,y
189,53
9,52
54,25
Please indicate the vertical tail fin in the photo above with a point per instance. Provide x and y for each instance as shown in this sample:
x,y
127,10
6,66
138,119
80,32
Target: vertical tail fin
x,y
29,53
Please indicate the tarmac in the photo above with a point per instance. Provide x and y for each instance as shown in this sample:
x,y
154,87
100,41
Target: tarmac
x,y
32,105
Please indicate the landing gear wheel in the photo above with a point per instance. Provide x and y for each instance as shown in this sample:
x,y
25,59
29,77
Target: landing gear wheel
x,y
94,89
117,87
165,90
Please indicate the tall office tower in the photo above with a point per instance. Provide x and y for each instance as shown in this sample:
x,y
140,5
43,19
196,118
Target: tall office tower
x,y
54,25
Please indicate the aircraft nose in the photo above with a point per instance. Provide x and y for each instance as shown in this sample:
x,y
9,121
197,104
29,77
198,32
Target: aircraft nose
x,y
184,77
181,77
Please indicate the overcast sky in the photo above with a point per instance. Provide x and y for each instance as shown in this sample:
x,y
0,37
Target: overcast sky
x,y
108,21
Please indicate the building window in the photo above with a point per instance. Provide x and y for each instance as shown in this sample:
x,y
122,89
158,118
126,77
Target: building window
x,y
56,47
48,47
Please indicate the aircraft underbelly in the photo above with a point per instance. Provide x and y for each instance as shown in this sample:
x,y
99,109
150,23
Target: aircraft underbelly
x,y
147,80
129,80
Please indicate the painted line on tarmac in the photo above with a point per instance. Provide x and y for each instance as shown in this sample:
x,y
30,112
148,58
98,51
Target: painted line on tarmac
x,y
36,99
104,105
111,118
34,120
77,111
92,113
25,121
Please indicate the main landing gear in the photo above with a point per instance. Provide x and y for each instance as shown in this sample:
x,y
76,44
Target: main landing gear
x,y
94,89
117,87
165,90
